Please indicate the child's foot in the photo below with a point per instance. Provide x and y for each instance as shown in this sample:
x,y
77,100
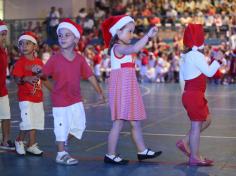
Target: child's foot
x,y
8,146
148,154
66,159
34,150
200,162
182,147
115,159
20,148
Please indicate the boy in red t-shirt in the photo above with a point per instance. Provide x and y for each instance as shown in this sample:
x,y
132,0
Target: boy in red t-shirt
x,y
4,100
30,94
67,68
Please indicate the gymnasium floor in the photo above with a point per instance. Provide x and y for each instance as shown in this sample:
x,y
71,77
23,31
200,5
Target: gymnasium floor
x,y
166,123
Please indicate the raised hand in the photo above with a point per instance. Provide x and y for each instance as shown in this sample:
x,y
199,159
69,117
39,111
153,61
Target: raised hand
x,y
152,32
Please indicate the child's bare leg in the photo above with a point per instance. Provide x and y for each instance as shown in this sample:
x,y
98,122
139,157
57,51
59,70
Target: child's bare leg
x,y
21,135
114,136
204,126
60,146
32,137
137,135
194,139
5,130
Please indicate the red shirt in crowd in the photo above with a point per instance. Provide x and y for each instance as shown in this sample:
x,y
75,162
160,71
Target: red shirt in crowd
x,y
3,72
97,59
26,91
66,75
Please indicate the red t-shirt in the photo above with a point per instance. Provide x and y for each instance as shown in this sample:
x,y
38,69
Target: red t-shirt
x,y
97,59
3,72
66,75
26,91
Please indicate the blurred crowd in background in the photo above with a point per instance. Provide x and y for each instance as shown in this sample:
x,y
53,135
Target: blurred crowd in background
x,y
159,61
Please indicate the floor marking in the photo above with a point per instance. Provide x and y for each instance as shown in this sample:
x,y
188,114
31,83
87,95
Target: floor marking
x,y
152,134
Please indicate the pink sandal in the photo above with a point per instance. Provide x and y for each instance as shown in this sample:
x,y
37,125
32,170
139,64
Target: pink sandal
x,y
200,162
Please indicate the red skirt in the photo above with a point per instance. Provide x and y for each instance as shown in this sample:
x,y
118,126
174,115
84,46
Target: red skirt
x,y
195,104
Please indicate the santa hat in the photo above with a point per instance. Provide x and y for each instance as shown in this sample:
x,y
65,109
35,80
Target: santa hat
x,y
31,36
3,26
112,24
194,36
75,28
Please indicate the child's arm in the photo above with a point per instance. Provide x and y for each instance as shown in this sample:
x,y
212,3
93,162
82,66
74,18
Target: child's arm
x,y
48,84
30,79
208,70
129,49
38,71
96,86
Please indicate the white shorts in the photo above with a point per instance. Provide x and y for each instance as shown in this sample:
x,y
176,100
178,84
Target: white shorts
x,y
32,115
4,108
69,120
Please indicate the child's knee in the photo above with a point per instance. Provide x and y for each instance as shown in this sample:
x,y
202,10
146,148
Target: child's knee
x,y
118,124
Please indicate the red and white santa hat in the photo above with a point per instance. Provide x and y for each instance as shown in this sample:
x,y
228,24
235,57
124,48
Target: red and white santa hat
x,y
3,26
31,36
75,28
194,36
112,24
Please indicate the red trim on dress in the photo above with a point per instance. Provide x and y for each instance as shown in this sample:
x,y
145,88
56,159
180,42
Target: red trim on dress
x,y
127,65
118,57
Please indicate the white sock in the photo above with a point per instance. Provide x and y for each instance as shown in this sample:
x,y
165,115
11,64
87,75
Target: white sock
x,y
117,159
150,152
60,154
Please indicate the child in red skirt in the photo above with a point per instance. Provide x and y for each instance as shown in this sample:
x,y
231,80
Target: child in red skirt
x,y
125,98
194,70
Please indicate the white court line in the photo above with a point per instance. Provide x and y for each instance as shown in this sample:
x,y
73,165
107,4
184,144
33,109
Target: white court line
x,y
152,134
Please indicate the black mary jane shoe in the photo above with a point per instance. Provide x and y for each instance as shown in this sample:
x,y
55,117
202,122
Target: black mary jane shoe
x,y
147,156
112,161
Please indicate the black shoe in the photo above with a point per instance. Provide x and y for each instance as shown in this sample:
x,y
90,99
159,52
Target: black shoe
x,y
112,161
147,156
10,146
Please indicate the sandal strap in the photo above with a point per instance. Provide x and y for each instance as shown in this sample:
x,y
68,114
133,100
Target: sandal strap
x,y
148,150
67,158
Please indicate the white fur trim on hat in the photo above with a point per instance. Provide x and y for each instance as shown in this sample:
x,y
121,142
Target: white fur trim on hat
x,y
69,26
3,28
119,24
195,48
27,37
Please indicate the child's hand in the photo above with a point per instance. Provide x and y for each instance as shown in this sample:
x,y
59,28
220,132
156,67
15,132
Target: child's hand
x,y
36,69
152,32
103,98
31,79
219,56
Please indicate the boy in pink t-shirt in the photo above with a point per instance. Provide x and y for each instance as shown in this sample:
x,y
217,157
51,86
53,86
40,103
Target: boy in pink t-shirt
x,y
67,68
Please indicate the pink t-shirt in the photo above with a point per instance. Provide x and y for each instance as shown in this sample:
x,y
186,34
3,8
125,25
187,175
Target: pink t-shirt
x,y
66,75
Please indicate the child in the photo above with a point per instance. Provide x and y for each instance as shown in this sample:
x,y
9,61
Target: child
x,y
124,95
67,68
194,69
4,100
30,94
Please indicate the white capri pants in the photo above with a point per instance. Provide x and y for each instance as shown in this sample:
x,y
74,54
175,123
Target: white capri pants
x,y
32,115
4,108
69,120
